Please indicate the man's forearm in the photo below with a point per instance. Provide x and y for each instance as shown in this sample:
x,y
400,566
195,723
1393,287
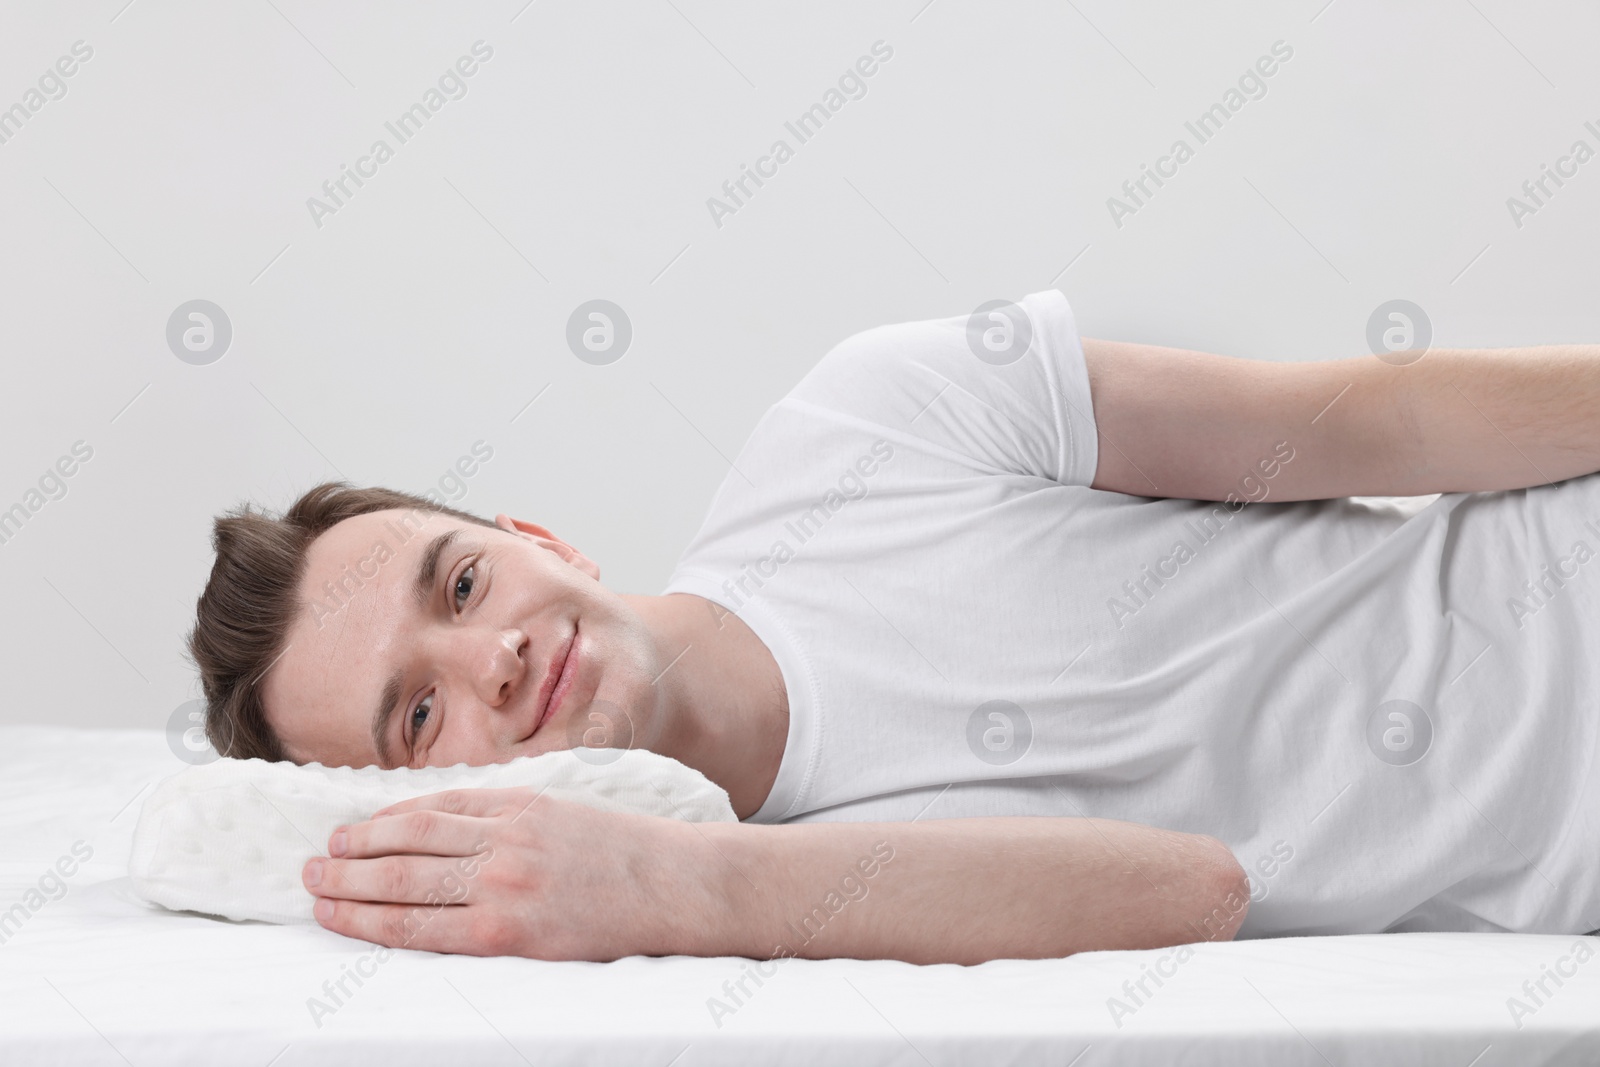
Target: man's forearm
x,y
962,890
1180,423
1468,420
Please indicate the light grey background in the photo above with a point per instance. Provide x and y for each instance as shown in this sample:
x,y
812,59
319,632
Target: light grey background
x,y
431,308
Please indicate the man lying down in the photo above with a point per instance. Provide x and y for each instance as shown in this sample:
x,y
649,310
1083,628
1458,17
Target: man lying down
x,y
1075,644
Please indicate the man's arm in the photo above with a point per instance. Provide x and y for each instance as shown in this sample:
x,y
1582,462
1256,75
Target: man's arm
x,y
975,889
508,872
1178,423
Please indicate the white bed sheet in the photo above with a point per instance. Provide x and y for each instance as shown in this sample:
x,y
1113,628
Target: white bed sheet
x,y
99,977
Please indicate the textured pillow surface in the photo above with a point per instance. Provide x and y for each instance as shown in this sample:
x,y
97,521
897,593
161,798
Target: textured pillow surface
x,y
230,837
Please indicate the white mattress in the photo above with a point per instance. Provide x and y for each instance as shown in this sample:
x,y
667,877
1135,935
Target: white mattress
x,y
98,977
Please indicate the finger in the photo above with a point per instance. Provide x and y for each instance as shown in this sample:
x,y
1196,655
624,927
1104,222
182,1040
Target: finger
x,y
446,928
457,802
396,879
426,832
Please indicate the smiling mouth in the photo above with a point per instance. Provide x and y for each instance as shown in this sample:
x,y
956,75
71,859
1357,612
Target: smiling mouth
x,y
558,680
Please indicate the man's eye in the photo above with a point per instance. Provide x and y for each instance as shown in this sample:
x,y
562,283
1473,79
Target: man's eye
x,y
419,716
464,587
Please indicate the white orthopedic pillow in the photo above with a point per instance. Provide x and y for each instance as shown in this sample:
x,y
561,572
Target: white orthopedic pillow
x,y
231,836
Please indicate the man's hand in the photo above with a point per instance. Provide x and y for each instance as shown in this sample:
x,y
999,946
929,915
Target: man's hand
x,y
513,872
492,872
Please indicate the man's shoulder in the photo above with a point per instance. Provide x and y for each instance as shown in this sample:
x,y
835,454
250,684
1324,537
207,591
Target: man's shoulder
x,y
1003,387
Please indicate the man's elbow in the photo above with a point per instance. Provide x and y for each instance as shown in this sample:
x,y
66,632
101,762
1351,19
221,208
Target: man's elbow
x,y
1224,893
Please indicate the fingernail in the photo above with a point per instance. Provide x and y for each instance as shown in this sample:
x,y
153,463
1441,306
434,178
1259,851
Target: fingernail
x,y
322,909
314,873
339,843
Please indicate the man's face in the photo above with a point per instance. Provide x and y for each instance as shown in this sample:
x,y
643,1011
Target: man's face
x,y
459,624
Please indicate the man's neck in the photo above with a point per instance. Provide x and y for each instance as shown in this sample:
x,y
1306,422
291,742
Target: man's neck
x,y
723,709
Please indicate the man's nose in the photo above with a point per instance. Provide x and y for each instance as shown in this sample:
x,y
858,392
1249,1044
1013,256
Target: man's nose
x,y
496,659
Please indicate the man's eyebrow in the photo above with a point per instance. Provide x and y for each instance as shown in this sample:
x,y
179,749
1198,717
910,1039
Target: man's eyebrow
x,y
421,589
422,586
381,717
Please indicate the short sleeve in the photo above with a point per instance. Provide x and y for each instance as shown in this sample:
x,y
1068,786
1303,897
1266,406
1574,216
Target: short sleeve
x,y
1005,391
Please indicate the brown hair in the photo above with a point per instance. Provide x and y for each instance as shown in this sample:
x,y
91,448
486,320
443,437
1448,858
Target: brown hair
x,y
243,617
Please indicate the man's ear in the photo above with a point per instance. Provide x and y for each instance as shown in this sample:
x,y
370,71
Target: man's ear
x,y
542,537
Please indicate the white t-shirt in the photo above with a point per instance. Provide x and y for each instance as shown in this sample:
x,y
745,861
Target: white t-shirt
x,y
1366,703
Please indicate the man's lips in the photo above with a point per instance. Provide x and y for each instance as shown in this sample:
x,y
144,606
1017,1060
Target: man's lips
x,y
557,680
